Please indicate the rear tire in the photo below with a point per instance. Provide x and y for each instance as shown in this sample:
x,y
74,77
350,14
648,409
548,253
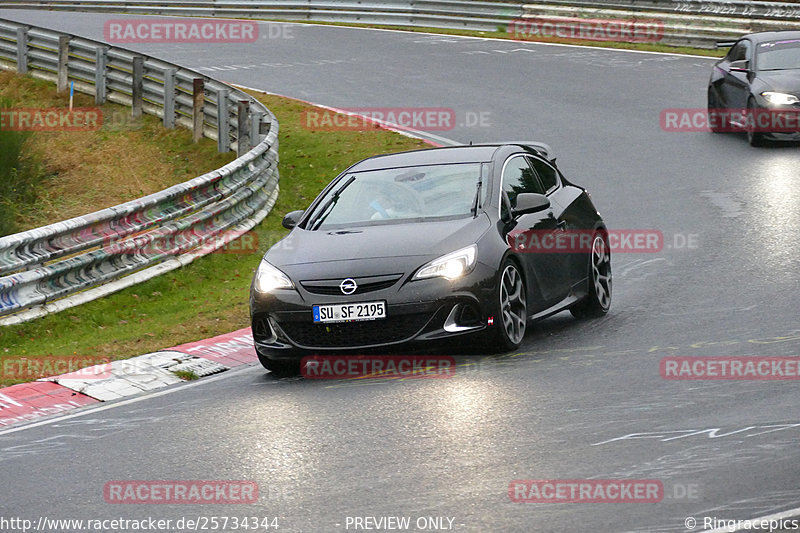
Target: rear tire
x,y
598,298
512,309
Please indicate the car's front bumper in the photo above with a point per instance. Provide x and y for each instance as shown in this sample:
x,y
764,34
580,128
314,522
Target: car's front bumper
x,y
419,311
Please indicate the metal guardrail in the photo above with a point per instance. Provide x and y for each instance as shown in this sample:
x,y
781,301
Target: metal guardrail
x,y
697,23
158,232
471,15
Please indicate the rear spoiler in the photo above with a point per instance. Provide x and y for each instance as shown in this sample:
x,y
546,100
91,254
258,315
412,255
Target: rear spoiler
x,y
725,44
543,149
540,147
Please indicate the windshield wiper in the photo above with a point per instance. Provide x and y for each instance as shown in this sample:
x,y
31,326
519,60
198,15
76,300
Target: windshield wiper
x,y
477,194
317,221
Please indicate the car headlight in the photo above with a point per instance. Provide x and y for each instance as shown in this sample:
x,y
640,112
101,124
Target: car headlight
x,y
780,98
269,278
450,266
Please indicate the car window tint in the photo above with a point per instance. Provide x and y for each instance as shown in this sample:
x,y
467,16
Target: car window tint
x,y
396,195
547,174
780,55
519,177
739,51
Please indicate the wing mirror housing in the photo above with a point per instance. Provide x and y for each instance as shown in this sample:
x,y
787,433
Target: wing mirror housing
x,y
291,219
529,202
741,65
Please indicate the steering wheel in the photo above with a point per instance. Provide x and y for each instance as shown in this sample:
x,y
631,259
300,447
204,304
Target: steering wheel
x,y
408,199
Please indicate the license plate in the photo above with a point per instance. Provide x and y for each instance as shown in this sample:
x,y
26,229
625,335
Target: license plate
x,y
349,312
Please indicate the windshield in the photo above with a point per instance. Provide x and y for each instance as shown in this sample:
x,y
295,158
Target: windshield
x,y
779,55
400,195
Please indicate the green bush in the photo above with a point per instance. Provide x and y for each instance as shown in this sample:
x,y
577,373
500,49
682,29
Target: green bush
x,y
20,175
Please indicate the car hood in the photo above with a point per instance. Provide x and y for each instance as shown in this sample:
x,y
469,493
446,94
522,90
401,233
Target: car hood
x,y
368,250
785,81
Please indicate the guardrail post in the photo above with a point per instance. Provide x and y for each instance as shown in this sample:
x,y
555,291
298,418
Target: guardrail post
x,y
255,128
223,122
198,100
100,61
63,59
137,87
22,50
169,98
243,109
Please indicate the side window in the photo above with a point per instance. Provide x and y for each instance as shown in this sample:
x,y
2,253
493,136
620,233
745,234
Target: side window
x,y
518,177
740,50
547,174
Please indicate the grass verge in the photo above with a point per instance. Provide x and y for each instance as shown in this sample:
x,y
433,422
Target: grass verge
x,y
122,160
21,175
210,296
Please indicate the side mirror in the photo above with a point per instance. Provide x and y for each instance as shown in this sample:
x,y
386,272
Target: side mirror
x,y
529,202
291,219
741,65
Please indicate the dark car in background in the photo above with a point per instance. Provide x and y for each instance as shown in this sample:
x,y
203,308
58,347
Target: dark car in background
x,y
756,87
428,245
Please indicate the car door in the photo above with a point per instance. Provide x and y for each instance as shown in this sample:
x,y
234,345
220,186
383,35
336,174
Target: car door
x,y
735,86
574,235
534,236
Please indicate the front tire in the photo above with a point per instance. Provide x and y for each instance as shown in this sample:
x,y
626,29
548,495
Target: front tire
x,y
512,310
598,298
754,137
717,122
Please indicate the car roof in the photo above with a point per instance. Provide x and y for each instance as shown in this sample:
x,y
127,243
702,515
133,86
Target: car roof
x,y
768,36
475,153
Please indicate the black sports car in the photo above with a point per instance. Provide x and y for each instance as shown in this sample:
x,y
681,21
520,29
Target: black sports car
x,y
756,87
427,245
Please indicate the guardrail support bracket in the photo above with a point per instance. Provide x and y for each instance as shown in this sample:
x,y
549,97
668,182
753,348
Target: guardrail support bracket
x,y
63,59
198,100
101,62
223,122
137,87
169,98
22,50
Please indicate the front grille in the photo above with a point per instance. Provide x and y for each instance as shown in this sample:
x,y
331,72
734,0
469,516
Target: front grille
x,y
330,287
355,334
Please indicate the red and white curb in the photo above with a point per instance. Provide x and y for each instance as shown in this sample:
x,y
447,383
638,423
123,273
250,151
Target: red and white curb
x,y
119,379
29,401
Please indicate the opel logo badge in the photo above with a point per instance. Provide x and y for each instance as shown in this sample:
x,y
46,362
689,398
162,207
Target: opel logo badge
x,y
348,286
